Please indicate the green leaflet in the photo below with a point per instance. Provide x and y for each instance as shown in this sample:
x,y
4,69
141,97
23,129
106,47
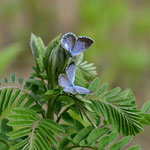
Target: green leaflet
x,y
20,144
38,50
7,98
19,133
13,78
112,92
108,139
49,135
96,134
123,142
13,98
88,71
136,147
95,83
102,89
2,98
43,140
82,134
20,81
54,125
146,107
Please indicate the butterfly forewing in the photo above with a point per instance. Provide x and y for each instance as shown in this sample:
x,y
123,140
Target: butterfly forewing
x,y
68,41
70,70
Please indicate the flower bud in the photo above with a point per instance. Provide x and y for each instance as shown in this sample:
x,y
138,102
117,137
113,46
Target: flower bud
x,y
58,60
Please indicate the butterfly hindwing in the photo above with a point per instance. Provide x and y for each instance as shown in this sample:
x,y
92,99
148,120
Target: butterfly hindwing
x,y
82,44
82,90
70,89
68,41
63,80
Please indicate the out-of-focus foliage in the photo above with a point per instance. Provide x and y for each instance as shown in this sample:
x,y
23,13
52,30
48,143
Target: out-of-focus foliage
x,y
19,18
121,30
8,55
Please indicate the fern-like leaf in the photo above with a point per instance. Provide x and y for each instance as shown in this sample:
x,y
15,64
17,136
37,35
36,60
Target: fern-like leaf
x,y
36,133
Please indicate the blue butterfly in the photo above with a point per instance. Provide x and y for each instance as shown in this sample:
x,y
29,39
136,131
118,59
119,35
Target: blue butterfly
x,y
75,45
67,81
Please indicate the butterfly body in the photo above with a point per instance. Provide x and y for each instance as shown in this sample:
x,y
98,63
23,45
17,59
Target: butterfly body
x,y
67,82
75,45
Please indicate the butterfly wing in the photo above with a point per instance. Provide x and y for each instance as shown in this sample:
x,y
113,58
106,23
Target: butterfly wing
x,y
81,45
63,80
70,70
82,90
70,89
68,41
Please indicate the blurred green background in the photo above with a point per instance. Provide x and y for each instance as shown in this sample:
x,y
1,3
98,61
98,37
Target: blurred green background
x,y
120,29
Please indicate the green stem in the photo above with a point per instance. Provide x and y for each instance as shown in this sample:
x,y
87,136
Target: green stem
x,y
51,106
1,140
50,109
58,119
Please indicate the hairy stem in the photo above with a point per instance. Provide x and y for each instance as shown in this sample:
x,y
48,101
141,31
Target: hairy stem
x,y
32,134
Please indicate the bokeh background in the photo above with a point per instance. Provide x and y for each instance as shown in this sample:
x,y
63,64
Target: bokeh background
x,y
120,29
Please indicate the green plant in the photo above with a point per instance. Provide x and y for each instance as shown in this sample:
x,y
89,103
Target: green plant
x,y
39,115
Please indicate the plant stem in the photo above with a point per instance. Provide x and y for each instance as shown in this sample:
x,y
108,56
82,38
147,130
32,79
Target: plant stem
x,y
50,109
58,119
51,105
